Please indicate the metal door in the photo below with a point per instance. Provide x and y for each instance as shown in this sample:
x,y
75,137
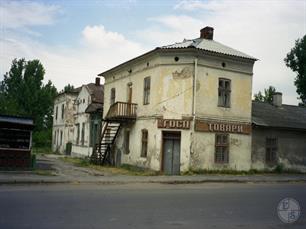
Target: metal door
x,y
171,153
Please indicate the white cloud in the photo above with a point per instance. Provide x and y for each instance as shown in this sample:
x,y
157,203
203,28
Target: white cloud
x,y
264,29
99,50
16,14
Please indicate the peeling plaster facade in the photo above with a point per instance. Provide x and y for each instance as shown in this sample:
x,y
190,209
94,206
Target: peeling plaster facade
x,y
291,152
82,147
184,85
63,125
78,119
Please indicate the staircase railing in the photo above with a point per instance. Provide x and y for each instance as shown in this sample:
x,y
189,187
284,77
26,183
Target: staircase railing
x,y
121,110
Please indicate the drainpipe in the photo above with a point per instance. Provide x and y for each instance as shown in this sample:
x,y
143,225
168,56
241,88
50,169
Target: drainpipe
x,y
194,85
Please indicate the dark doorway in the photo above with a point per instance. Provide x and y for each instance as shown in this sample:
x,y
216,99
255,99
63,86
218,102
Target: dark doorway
x,y
171,153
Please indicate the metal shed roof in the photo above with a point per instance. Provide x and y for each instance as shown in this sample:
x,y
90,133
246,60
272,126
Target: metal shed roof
x,y
208,45
286,116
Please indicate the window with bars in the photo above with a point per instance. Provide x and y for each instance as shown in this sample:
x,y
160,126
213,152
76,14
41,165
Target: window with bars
x,y
271,150
144,143
146,90
113,96
224,93
221,148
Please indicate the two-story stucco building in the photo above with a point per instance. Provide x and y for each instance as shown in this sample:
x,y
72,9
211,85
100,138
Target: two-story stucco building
x,y
181,106
77,119
63,121
87,118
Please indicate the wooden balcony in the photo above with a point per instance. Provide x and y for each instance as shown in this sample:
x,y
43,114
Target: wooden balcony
x,y
122,112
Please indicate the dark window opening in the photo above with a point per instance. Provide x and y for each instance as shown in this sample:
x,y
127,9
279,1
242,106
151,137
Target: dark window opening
x,y
176,59
63,108
144,143
271,150
224,93
113,96
146,90
127,142
222,148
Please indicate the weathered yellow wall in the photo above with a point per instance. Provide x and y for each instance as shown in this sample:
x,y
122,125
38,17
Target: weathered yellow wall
x,y
208,75
171,89
171,98
203,155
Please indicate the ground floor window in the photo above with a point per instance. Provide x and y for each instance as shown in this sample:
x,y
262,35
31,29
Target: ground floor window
x,y
61,140
271,149
221,148
77,133
83,134
54,139
127,141
144,143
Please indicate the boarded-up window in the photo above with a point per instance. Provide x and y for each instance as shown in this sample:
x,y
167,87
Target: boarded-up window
x,y
127,142
113,96
271,150
144,143
221,148
224,93
146,90
63,108
83,134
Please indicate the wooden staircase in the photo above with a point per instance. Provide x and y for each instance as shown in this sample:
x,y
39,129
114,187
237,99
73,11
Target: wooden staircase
x,y
118,113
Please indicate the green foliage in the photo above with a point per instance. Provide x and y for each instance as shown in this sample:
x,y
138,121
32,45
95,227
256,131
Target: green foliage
x,y
68,88
280,168
42,138
296,60
23,93
268,95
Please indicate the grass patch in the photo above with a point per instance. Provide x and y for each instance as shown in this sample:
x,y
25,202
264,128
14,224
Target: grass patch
x,y
42,172
122,170
42,150
276,170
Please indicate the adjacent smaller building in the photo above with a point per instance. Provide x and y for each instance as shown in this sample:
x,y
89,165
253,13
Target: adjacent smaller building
x,y
77,119
63,120
87,118
15,142
278,135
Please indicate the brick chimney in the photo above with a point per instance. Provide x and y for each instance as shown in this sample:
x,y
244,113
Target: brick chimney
x,y
277,99
207,33
97,81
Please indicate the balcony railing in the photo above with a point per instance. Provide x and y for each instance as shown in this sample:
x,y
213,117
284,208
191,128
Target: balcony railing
x,y
121,111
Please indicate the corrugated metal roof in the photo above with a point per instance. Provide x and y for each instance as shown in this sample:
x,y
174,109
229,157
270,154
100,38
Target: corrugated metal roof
x,y
209,45
286,116
16,120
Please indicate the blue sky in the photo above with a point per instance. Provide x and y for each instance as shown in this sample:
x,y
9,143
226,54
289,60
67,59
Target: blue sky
x,y
76,40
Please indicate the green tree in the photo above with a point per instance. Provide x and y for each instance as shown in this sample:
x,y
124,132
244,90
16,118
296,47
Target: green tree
x,y
267,96
296,60
68,88
22,92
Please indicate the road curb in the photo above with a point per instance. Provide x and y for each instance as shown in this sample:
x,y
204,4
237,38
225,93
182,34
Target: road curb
x,y
119,182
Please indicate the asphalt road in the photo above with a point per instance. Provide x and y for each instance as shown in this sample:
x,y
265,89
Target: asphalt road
x,y
148,206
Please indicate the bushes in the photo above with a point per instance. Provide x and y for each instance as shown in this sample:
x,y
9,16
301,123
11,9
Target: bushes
x,y
42,139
